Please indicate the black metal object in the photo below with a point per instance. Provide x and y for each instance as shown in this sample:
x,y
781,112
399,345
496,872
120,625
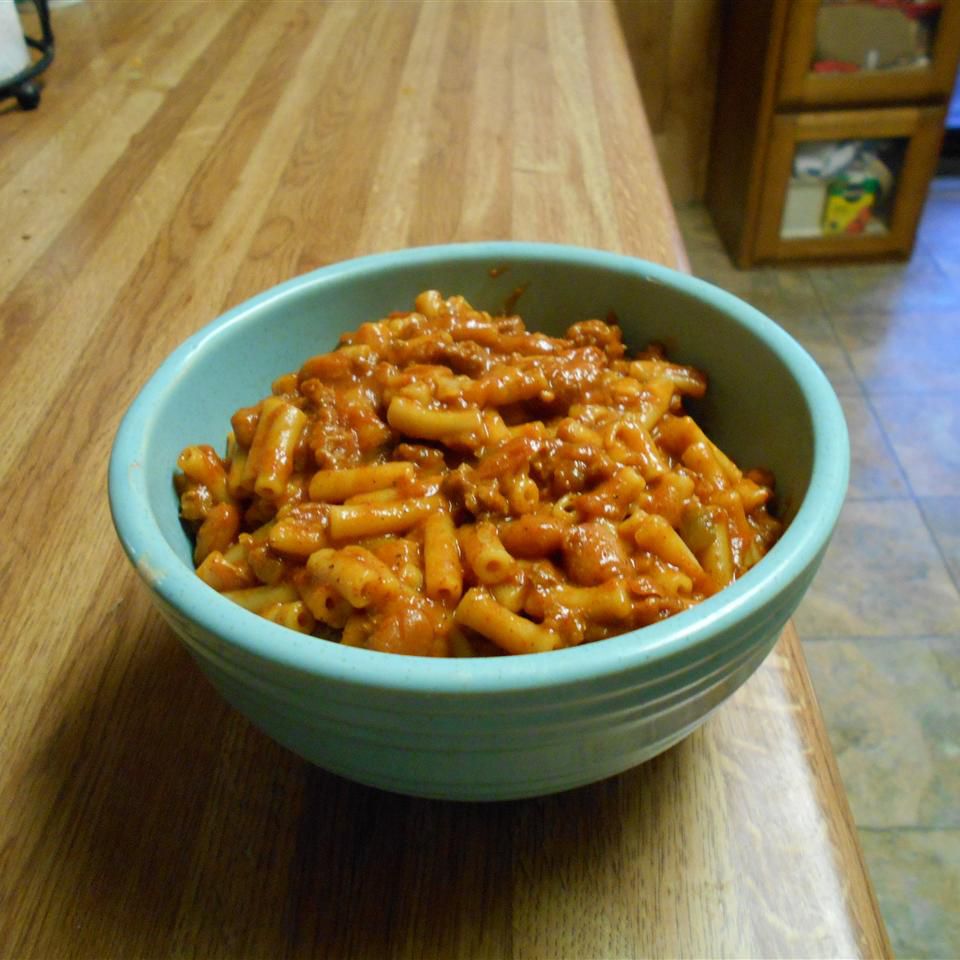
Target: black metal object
x,y
21,85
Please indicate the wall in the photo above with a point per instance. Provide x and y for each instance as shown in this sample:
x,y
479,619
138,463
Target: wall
x,y
673,45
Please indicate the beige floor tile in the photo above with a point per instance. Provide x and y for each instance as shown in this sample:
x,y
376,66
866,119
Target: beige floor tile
x,y
889,703
943,519
945,254
697,226
942,207
924,430
780,294
786,296
939,233
893,715
874,471
882,576
814,333
905,352
776,292
916,874
890,287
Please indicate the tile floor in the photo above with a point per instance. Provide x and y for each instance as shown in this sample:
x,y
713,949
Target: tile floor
x,y
881,625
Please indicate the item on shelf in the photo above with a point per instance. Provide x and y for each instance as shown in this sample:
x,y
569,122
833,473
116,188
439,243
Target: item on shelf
x,y
849,206
803,209
824,158
854,194
837,187
834,66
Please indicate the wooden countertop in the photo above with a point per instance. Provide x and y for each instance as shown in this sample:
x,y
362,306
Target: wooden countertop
x,y
185,156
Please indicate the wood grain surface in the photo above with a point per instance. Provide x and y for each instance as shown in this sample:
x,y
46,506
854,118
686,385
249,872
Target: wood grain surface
x,y
185,156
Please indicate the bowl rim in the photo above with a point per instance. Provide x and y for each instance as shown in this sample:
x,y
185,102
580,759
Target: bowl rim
x,y
177,585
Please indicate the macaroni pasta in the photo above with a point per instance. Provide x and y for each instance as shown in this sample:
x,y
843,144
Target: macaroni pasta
x,y
448,483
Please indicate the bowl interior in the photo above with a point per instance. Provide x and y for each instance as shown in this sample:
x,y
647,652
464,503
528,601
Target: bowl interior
x,y
754,408
767,405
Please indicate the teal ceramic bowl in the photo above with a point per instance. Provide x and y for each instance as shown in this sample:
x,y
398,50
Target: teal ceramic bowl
x,y
507,727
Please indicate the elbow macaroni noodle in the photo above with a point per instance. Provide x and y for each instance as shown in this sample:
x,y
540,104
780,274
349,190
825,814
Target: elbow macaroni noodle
x,y
447,483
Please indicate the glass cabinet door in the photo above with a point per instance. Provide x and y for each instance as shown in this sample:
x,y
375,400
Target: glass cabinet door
x,y
842,188
867,51
846,183
853,36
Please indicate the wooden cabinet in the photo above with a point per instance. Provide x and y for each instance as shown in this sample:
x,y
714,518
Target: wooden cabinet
x,y
824,143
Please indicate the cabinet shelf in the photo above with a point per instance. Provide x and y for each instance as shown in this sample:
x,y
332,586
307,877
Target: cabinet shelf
x,y
830,165
929,78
